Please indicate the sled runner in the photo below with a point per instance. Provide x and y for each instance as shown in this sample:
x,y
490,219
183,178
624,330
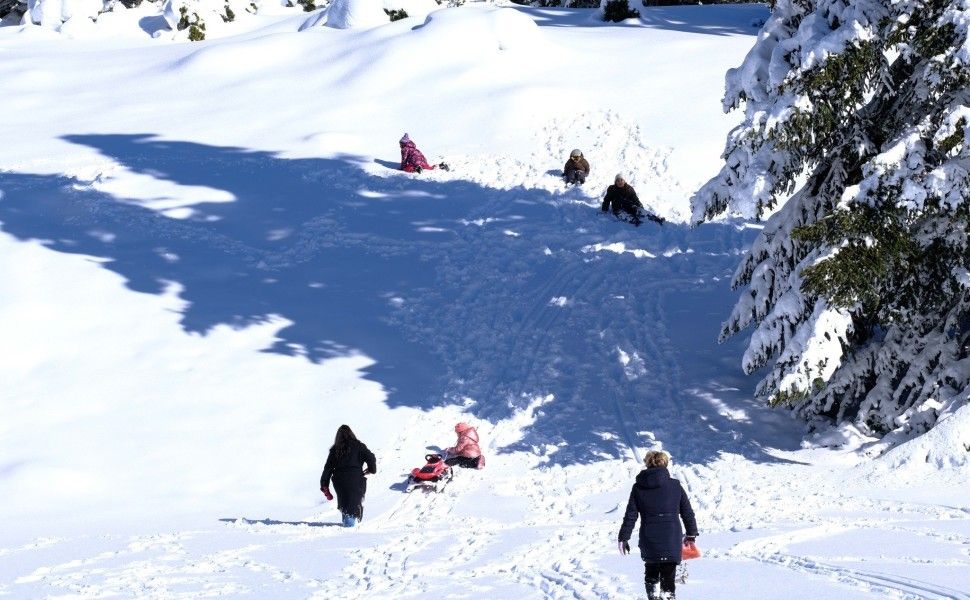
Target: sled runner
x,y
433,476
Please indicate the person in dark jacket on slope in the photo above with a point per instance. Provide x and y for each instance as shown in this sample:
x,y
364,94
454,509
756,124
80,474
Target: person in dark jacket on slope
x,y
345,467
576,169
661,504
623,200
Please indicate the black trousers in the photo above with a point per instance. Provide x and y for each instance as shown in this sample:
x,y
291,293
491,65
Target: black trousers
x,y
576,176
662,573
464,461
350,486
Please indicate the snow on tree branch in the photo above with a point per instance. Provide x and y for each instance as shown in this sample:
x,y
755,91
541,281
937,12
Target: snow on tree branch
x,y
857,123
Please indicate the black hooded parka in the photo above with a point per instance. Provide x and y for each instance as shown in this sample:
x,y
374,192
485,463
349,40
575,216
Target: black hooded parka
x,y
661,503
346,472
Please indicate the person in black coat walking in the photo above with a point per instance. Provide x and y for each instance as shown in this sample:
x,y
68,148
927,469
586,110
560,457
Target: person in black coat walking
x,y
661,504
345,467
622,199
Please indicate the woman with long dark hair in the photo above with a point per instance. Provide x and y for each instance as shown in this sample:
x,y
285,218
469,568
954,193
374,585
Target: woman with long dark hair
x,y
345,467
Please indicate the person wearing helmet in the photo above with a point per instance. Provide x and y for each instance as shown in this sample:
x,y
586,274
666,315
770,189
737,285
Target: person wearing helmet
x,y
466,452
622,199
576,169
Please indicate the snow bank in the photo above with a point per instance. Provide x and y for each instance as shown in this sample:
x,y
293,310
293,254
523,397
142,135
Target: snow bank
x,y
350,14
946,446
241,58
484,29
52,13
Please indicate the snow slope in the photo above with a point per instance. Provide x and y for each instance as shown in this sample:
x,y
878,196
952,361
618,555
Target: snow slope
x,y
210,262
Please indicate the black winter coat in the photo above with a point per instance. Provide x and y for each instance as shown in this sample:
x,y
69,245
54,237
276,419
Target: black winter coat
x,y
621,199
346,472
661,503
576,165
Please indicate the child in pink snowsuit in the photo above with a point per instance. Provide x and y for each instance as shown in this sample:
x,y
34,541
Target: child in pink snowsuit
x,y
411,158
465,452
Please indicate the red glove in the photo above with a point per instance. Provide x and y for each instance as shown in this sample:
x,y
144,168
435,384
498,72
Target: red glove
x,y
326,493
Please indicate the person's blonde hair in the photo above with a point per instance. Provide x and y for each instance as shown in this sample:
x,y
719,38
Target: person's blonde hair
x,y
656,458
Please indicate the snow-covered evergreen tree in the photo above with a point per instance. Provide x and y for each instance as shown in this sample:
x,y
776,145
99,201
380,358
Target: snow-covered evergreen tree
x,y
857,134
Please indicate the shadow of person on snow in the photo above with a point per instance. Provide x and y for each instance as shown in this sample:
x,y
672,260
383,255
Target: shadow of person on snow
x,y
244,520
387,164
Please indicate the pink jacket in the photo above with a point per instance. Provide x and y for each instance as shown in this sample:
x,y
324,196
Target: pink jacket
x,y
467,445
411,157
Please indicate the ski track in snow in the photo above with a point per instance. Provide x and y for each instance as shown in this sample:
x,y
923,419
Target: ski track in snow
x,y
569,354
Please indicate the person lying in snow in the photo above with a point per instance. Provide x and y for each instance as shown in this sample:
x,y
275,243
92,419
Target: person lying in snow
x,y
412,160
576,169
623,200
465,453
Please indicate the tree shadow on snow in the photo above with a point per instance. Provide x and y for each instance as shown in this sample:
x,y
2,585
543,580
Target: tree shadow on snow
x,y
718,19
460,293
723,19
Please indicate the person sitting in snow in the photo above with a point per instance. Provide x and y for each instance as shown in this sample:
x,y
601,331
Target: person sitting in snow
x,y
622,199
412,160
465,453
576,169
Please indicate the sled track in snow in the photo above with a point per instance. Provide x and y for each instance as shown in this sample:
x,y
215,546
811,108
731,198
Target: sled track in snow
x,y
808,512
532,335
897,585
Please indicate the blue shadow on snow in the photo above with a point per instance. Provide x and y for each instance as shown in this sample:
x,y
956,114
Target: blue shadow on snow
x,y
243,520
716,19
460,293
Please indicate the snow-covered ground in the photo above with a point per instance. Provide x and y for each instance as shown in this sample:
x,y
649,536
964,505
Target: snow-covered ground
x,y
210,262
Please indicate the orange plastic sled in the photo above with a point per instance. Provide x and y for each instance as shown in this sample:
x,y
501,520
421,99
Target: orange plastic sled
x,y
689,551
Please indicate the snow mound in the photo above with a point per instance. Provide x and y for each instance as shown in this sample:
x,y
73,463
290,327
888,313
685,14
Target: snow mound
x,y
240,58
51,13
356,14
612,141
943,451
946,446
484,30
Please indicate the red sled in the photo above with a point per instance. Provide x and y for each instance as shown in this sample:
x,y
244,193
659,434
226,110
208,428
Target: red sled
x,y
434,475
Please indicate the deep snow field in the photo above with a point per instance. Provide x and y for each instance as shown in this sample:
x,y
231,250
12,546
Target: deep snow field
x,y
209,262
